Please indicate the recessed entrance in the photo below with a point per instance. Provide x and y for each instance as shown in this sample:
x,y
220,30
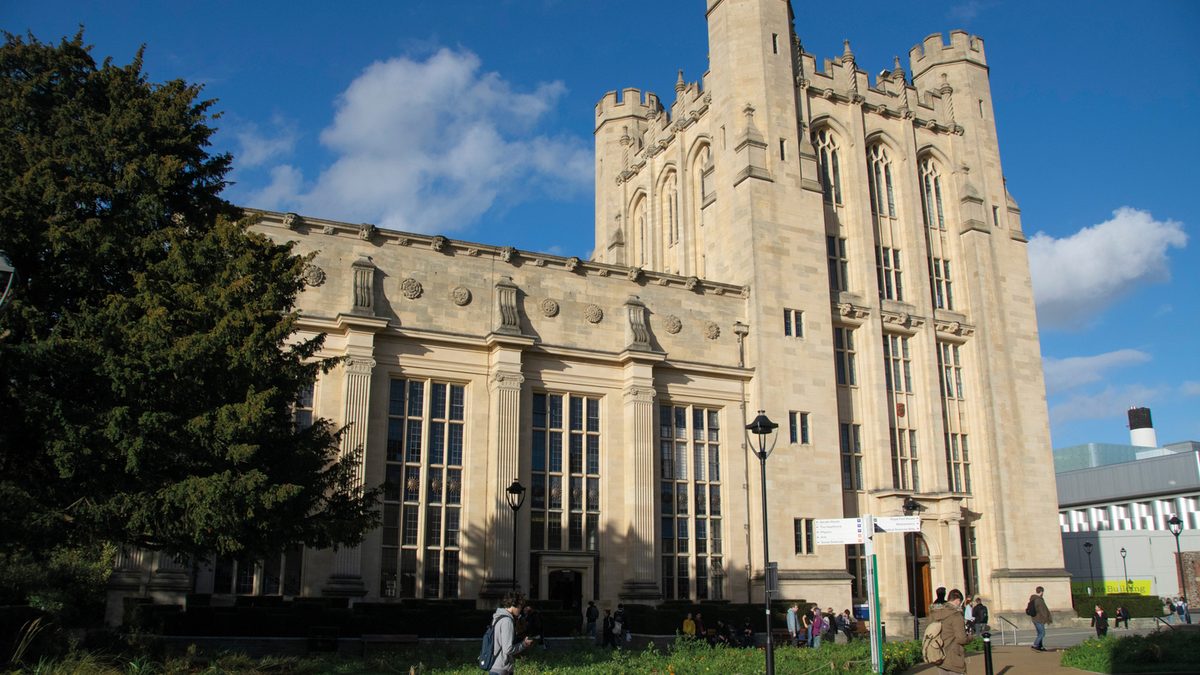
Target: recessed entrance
x,y
566,587
917,560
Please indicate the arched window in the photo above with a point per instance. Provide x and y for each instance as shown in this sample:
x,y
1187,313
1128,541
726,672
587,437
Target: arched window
x,y
669,203
883,197
829,166
931,194
640,234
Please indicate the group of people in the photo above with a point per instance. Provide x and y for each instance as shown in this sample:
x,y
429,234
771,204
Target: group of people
x,y
808,628
613,630
1177,610
1100,619
954,612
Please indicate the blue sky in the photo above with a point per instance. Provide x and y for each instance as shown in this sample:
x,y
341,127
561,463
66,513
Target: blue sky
x,y
474,118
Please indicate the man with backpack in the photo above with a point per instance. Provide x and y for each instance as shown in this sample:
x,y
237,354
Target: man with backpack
x,y
945,636
1040,613
591,616
500,645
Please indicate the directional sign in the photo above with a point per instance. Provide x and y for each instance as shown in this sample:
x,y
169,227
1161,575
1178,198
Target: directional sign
x,y
897,523
838,531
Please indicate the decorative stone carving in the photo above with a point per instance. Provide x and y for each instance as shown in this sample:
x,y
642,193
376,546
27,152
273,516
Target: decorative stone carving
x,y
602,272
328,229
364,286
549,307
691,283
403,241
472,251
510,381
313,275
593,314
711,330
851,311
638,336
954,328
291,220
672,324
411,288
461,295
508,254
367,231
902,319
634,273
539,262
663,281
573,262
360,365
643,394
506,305
438,243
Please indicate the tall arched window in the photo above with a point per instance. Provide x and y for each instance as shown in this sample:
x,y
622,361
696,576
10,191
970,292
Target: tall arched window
x,y
883,197
931,194
829,166
640,233
669,202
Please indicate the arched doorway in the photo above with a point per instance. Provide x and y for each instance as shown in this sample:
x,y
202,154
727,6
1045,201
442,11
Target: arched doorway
x,y
917,560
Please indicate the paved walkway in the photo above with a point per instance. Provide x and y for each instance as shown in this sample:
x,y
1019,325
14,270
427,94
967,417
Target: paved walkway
x,y
1013,661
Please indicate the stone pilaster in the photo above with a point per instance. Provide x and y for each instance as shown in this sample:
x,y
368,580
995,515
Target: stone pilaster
x,y
346,579
641,569
504,384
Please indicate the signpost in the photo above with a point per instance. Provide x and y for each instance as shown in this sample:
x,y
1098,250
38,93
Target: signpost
x,y
842,531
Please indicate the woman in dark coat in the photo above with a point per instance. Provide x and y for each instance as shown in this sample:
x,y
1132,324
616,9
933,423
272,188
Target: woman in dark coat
x,y
1100,622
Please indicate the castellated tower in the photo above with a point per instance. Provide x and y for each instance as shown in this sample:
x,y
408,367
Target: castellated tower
x,y
890,310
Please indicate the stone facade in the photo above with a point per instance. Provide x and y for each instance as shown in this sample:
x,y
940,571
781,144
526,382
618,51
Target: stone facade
x,y
766,242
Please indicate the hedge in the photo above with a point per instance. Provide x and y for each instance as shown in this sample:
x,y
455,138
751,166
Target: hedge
x,y
1138,605
1168,651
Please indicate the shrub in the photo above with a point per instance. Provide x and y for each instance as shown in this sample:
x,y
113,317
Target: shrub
x,y
1138,605
1170,651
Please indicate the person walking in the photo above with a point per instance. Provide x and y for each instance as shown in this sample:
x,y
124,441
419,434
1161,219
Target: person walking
x,y
504,640
806,627
1100,622
954,633
590,615
969,615
793,623
1041,617
608,630
981,615
818,628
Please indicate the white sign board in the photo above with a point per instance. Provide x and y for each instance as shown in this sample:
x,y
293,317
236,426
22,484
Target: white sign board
x,y
838,531
898,523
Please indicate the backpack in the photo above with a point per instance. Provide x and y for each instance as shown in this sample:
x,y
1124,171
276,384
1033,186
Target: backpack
x,y
933,647
1031,608
487,650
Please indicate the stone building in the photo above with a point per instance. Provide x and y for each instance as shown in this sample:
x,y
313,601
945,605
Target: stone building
x,y
787,235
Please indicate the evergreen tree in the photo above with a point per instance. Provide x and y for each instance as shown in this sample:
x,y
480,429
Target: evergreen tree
x,y
148,366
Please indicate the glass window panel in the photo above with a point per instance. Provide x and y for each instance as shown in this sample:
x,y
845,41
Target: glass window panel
x,y
538,450
701,500
412,448
416,398
666,497
698,461
555,495
452,520
666,470
576,496
408,573
576,444
454,486
539,411
395,440
537,530
664,421
451,587
437,442
556,451
715,540
714,500
457,402
681,460
437,401
433,526
575,531
391,524
681,498
455,445
680,422
538,490
591,535
593,414
396,398
698,424
435,486
391,485
412,484
593,454
556,412
714,463
554,533
576,413
433,574
593,494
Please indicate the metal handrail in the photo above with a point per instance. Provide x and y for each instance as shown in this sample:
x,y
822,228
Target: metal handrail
x,y
1159,619
1004,640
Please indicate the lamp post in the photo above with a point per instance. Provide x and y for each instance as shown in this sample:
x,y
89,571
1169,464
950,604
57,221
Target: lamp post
x,y
1125,566
516,497
762,426
910,507
1087,548
1176,526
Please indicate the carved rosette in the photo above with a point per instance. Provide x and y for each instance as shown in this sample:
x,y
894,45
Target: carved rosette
x,y
411,288
673,324
711,330
461,295
313,275
593,314
549,307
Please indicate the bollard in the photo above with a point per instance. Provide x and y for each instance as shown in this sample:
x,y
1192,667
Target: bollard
x,y
987,653
882,632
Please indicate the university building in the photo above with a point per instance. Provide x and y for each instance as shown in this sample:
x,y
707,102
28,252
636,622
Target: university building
x,y
787,235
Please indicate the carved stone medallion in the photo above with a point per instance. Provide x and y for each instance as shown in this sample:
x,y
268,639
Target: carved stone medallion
x,y
711,330
593,314
461,295
411,288
549,307
313,275
673,324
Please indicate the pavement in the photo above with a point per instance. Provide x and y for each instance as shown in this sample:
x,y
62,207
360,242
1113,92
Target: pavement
x,y
1019,659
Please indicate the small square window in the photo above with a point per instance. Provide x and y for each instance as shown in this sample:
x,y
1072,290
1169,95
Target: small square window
x,y
793,323
798,427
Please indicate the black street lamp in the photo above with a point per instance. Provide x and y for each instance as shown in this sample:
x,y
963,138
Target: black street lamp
x,y
1176,529
762,426
1125,566
516,497
1087,548
910,507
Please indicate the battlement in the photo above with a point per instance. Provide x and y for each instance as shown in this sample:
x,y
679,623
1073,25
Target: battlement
x,y
629,102
934,51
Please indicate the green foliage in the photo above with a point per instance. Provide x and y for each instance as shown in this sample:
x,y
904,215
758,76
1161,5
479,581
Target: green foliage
x,y
1138,605
1168,651
683,657
147,369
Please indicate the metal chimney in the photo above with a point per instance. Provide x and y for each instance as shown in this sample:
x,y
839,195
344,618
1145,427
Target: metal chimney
x,y
1141,428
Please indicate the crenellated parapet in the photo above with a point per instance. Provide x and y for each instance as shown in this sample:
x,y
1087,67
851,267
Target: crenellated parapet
x,y
963,47
629,102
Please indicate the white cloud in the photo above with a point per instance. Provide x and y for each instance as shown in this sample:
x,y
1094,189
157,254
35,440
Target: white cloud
x,y
286,182
967,11
1106,404
431,145
258,148
1076,371
1077,277
1190,388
